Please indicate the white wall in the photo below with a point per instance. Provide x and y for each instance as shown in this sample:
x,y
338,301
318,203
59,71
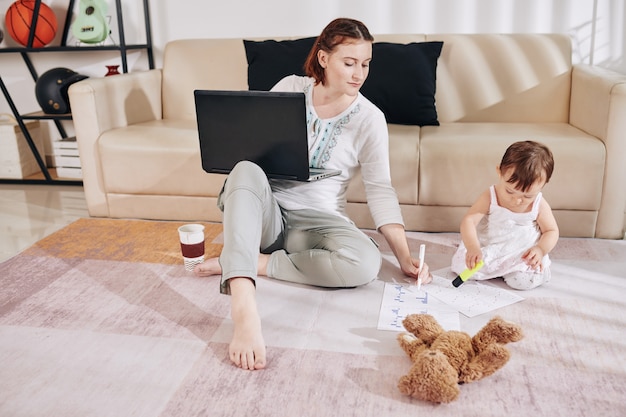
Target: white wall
x,y
596,27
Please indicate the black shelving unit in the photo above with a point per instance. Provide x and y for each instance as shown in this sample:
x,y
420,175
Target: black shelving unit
x,y
25,52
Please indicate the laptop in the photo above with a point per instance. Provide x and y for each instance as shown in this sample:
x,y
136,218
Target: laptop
x,y
267,128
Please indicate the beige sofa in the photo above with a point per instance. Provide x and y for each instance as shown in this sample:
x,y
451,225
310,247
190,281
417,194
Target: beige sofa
x,y
138,143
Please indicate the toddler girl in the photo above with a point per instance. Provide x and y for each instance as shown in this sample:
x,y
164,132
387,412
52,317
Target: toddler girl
x,y
511,227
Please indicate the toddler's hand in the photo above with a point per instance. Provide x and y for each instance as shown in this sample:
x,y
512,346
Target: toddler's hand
x,y
472,257
533,257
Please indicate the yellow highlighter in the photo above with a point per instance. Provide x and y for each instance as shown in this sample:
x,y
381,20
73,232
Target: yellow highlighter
x,y
465,275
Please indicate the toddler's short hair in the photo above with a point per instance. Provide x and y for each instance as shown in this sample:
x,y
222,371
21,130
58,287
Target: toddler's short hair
x,y
531,162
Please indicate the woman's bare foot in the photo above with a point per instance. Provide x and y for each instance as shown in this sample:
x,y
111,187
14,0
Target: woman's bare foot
x,y
247,348
208,268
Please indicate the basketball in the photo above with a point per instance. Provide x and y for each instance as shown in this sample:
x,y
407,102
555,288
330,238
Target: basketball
x,y
19,17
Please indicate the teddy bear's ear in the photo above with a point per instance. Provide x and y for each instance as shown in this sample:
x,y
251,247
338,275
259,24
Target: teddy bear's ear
x,y
423,326
411,322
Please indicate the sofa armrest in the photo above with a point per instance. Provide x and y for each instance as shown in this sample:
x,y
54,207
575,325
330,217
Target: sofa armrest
x,y
102,104
598,106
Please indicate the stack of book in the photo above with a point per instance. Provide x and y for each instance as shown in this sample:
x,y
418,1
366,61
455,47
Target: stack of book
x,y
66,160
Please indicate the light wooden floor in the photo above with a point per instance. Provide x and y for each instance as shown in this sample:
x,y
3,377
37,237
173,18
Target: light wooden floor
x,y
29,213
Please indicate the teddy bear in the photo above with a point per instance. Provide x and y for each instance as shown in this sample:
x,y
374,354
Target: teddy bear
x,y
444,359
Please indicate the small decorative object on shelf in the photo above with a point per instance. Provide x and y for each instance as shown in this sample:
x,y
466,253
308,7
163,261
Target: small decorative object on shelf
x,y
1,35
112,70
51,89
18,20
91,24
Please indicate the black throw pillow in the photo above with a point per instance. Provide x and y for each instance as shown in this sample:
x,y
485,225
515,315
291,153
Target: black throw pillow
x,y
270,61
402,82
402,79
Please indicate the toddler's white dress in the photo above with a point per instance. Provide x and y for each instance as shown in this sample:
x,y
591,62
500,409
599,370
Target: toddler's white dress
x,y
504,237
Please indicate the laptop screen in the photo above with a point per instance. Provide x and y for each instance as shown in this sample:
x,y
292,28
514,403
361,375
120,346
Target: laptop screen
x,y
267,128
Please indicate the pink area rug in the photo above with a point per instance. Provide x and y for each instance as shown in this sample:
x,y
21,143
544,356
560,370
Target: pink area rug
x,y
101,319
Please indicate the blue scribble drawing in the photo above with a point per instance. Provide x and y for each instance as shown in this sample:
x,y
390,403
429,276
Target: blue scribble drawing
x,y
401,300
400,292
424,298
397,318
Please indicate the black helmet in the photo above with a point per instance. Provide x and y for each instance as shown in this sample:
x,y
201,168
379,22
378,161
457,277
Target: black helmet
x,y
51,89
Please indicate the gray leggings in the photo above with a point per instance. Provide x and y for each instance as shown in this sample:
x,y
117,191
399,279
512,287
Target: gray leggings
x,y
305,246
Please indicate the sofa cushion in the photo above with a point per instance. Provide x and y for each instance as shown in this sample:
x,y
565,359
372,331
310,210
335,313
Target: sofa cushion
x,y
190,64
458,162
402,81
509,78
269,61
160,157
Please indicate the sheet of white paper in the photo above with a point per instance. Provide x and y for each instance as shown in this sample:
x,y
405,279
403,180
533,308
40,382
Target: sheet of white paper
x,y
400,300
471,298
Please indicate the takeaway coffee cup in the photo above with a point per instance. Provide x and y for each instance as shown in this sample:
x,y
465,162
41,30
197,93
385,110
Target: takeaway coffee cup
x,y
192,244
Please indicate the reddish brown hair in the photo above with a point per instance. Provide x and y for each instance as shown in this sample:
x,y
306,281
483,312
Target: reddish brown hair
x,y
531,162
336,32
